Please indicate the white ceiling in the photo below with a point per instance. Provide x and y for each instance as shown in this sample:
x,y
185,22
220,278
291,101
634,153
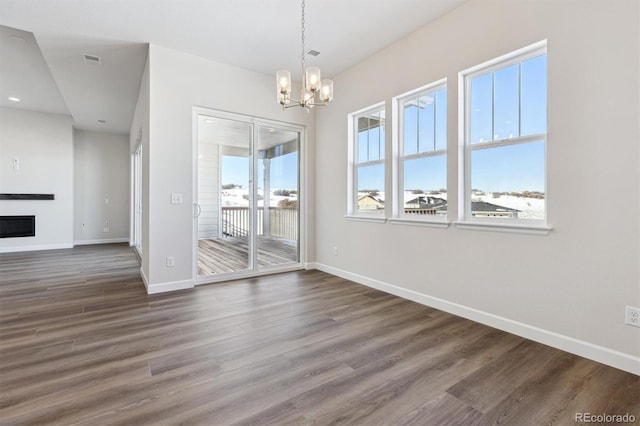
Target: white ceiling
x,y
212,130
24,74
261,35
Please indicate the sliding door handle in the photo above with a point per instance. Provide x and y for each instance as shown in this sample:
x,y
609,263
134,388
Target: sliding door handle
x,y
197,209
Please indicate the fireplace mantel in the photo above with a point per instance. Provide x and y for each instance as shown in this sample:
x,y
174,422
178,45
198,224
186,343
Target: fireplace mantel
x,y
27,197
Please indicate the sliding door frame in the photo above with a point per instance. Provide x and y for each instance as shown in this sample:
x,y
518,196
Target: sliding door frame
x,y
135,226
255,122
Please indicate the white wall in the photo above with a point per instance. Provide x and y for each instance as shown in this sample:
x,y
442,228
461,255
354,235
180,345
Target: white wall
x,y
44,145
568,288
178,82
101,187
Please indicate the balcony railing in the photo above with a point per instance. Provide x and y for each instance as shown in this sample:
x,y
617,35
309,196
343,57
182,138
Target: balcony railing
x,y
280,222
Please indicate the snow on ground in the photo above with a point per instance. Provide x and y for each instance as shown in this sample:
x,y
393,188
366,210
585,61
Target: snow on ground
x,y
234,197
530,208
238,197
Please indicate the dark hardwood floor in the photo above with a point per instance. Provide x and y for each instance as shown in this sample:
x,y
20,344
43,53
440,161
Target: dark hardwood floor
x,y
82,343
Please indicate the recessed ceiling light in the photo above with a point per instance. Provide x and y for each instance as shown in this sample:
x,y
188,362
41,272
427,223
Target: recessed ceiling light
x,y
14,99
102,121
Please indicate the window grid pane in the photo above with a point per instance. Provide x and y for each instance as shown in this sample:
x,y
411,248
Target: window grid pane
x,y
533,101
410,133
481,109
506,105
363,142
441,119
381,127
426,123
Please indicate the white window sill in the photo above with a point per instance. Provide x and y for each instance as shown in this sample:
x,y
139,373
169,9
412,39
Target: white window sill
x,y
363,218
504,227
419,222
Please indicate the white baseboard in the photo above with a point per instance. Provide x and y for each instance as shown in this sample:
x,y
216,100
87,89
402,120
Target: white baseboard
x,y
588,350
35,248
165,287
101,241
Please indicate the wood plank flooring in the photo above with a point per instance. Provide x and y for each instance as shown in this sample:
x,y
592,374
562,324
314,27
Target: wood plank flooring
x,y
81,343
231,254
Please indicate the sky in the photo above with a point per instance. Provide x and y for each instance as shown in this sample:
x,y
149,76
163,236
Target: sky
x,y
518,109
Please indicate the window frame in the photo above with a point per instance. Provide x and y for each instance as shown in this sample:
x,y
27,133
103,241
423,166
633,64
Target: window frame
x,y
399,216
466,148
354,164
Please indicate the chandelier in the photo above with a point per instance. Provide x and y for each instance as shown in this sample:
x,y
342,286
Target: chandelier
x,y
314,91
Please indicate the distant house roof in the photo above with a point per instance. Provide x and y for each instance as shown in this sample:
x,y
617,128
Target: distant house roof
x,y
429,201
483,206
371,197
436,203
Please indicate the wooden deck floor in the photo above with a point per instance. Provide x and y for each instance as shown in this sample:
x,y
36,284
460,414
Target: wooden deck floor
x,y
231,254
82,343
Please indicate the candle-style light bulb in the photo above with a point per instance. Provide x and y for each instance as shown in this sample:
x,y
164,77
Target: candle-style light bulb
x,y
313,78
326,90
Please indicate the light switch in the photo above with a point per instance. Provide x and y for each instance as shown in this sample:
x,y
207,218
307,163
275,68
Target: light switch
x,y
176,198
16,164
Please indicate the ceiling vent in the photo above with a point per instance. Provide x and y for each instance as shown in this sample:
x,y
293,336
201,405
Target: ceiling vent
x,y
91,59
313,53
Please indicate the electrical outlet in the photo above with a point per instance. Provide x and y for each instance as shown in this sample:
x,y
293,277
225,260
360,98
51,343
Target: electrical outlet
x,y
84,228
171,262
105,228
632,316
335,250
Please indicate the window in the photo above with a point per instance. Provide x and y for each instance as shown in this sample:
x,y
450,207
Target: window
x,y
422,153
366,158
503,176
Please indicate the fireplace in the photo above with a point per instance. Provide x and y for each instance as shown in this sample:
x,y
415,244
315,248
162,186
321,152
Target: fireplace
x,y
17,226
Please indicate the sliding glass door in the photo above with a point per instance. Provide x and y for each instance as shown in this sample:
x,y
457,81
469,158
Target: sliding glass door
x,y
248,188
224,191
278,190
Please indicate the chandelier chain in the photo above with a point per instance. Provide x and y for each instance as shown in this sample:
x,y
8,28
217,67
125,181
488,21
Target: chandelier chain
x,y
302,32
